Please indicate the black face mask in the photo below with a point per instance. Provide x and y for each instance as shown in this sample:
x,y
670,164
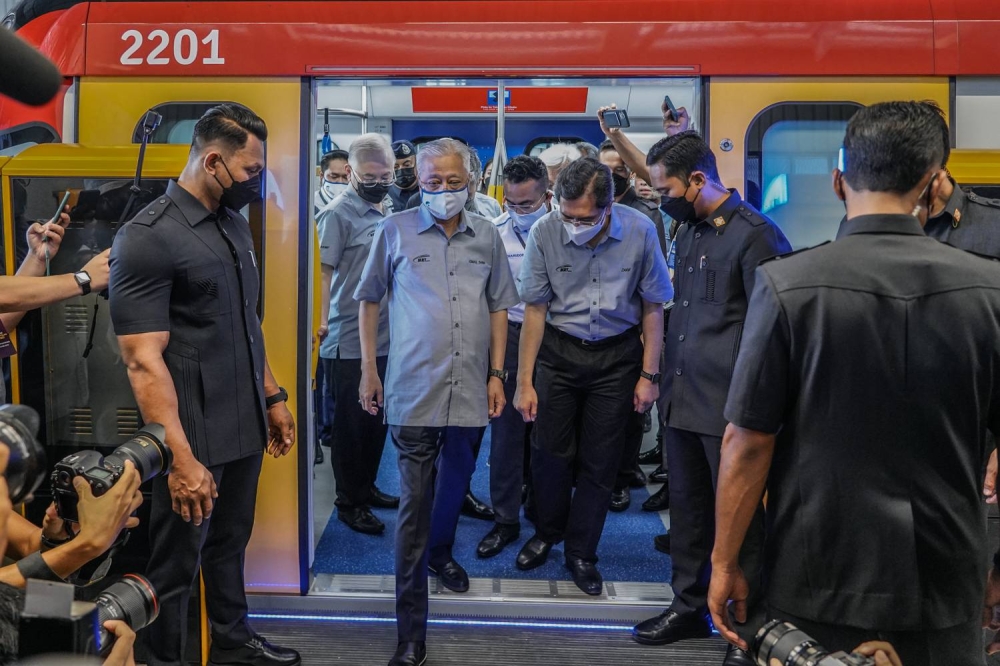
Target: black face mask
x,y
372,193
239,194
621,184
679,208
406,177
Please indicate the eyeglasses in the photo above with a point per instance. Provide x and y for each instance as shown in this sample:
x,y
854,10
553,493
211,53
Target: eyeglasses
x,y
444,187
583,221
524,208
371,182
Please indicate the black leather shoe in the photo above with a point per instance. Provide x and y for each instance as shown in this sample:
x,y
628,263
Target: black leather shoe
x,y
473,508
661,542
670,626
653,456
494,542
255,652
658,475
586,576
361,520
452,576
737,657
533,554
658,501
381,500
620,500
319,455
410,654
638,478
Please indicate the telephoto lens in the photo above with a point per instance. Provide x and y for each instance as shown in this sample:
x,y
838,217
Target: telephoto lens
x,y
132,600
784,644
146,451
26,464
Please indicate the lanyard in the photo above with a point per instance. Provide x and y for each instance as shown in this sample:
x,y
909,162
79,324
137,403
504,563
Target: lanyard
x,y
518,234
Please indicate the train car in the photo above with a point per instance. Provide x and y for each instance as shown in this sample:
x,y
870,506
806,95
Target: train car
x,y
770,84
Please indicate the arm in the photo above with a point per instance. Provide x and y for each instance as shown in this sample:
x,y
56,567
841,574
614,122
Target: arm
x,y
634,158
525,398
326,281
498,349
280,423
646,392
766,243
370,391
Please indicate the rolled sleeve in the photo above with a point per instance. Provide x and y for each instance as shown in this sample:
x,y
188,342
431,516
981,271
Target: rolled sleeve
x,y
141,280
766,243
759,391
378,269
333,235
654,285
533,281
501,293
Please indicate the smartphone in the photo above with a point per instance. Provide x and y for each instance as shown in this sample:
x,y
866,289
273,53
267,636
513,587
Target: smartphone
x,y
62,207
616,118
670,106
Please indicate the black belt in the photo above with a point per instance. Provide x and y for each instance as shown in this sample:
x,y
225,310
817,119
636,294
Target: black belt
x,y
515,324
596,344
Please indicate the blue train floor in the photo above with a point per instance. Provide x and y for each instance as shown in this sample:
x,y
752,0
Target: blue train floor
x,y
626,552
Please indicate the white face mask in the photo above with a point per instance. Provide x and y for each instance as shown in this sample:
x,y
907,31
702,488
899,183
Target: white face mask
x,y
583,234
523,221
332,190
446,204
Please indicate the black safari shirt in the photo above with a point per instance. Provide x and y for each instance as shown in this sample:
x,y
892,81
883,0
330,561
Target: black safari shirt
x,y
180,268
969,222
876,359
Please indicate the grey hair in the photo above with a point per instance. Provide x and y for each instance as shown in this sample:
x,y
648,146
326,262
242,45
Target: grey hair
x,y
444,148
559,155
371,147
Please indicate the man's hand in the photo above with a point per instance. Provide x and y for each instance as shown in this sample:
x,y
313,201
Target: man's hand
x,y
280,429
728,584
121,653
526,402
608,131
103,518
990,482
53,527
885,654
495,397
672,125
992,598
51,233
192,489
370,391
98,270
324,330
646,393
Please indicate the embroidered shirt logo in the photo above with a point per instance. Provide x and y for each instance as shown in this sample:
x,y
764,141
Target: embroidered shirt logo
x,y
627,269
565,268
477,262
422,259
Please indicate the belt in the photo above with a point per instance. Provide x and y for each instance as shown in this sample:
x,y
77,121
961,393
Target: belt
x,y
596,344
515,324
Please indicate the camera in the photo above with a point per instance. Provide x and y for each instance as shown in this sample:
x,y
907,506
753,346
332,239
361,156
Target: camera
x,y
132,600
26,464
783,643
146,451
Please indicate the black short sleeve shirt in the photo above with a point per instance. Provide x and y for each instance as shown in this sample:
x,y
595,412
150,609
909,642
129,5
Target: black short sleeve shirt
x,y
180,268
969,222
876,359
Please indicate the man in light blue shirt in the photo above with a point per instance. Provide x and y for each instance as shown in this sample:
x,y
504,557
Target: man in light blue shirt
x,y
593,280
449,286
346,227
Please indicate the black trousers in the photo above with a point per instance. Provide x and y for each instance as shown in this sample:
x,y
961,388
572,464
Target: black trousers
x,y
429,506
218,546
323,405
358,437
510,442
694,476
584,403
961,645
630,452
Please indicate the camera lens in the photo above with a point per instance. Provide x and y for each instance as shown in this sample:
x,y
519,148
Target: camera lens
x,y
26,464
786,644
146,451
132,600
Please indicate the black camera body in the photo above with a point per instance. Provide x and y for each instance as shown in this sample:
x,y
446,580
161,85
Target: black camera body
x,y
146,451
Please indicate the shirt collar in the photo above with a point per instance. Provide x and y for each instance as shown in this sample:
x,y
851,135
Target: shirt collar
x,y
191,208
725,210
901,224
954,209
427,221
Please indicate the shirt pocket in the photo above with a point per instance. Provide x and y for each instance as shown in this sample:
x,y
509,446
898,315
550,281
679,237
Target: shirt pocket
x,y
715,277
208,290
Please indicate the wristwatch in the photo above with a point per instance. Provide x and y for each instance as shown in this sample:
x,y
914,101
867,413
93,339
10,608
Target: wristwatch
x,y
655,377
83,279
502,374
280,396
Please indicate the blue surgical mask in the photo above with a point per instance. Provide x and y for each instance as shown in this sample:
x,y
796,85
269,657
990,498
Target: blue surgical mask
x,y
445,204
583,234
524,221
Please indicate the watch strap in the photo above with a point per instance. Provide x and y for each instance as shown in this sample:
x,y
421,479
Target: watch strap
x,y
655,377
280,396
83,284
500,374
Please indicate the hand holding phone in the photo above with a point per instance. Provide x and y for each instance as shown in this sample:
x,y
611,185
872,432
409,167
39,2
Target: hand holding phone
x,y
668,108
45,232
616,118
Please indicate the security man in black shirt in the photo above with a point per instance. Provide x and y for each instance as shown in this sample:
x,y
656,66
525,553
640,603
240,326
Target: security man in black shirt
x,y
963,219
718,246
870,440
183,292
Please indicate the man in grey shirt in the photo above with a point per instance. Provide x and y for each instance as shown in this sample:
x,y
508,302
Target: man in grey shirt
x,y
346,227
449,286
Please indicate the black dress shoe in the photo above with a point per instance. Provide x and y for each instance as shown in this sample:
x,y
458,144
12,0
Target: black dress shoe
x,y
586,576
494,542
620,500
319,455
255,652
670,626
658,475
638,478
737,657
658,501
661,542
473,508
361,520
452,576
410,654
381,500
533,554
653,456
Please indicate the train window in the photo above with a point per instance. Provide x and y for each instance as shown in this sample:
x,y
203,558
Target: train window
x,y
791,151
28,134
177,126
